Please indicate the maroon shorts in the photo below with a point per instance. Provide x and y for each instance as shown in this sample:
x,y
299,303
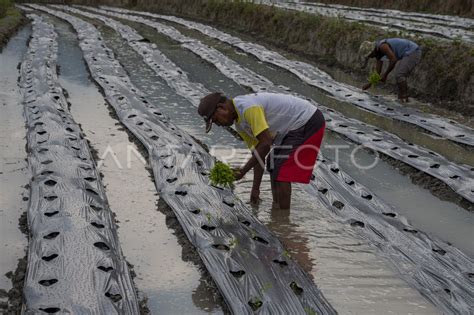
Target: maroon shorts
x,y
294,159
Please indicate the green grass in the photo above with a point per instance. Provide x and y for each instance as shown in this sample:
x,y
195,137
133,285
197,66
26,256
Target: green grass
x,y
310,311
374,78
4,6
233,243
209,217
11,20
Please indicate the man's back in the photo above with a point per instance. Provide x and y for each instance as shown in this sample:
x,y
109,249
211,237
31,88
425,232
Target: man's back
x,y
282,113
400,47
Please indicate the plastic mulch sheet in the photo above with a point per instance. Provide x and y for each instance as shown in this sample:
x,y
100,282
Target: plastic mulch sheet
x,y
75,264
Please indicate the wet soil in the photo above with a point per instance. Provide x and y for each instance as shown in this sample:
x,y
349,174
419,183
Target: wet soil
x,y
15,294
17,277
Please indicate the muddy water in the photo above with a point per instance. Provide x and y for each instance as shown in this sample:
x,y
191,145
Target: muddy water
x,y
411,133
171,283
14,175
348,271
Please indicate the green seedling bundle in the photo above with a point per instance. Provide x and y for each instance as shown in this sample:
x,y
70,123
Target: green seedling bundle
x,y
374,78
222,175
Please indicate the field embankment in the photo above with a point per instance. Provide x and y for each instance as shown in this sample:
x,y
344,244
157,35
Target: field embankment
x,y
451,7
10,20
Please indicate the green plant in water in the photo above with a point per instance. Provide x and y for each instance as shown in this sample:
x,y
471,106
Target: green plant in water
x,y
222,175
233,243
310,311
374,78
209,217
267,286
255,303
286,254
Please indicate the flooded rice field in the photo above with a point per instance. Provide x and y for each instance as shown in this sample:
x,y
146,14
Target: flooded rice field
x,y
404,247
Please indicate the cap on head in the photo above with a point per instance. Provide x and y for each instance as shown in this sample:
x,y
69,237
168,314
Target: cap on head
x,y
366,48
208,106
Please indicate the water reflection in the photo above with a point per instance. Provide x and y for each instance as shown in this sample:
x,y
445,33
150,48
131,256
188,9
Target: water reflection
x,y
287,232
203,297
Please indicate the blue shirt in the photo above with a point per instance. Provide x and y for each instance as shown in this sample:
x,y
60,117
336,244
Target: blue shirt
x,y
400,47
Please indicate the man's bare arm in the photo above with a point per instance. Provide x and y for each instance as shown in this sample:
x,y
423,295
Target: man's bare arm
x,y
258,171
385,48
259,153
378,66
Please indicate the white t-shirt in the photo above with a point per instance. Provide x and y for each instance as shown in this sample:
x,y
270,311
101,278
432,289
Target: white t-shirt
x,y
280,113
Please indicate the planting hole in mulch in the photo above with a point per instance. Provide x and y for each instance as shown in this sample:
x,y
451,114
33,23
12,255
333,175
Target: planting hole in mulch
x,y
102,246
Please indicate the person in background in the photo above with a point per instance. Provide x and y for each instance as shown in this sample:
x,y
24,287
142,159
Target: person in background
x,y
291,126
403,52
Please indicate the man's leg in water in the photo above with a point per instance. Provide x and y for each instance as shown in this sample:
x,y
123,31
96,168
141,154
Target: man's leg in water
x,y
284,195
402,91
403,70
274,184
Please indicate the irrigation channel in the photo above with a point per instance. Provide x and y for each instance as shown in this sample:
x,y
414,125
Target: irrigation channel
x,y
135,224
438,26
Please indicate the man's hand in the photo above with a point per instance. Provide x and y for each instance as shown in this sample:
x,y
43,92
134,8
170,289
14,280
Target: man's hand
x,y
255,196
366,86
238,174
